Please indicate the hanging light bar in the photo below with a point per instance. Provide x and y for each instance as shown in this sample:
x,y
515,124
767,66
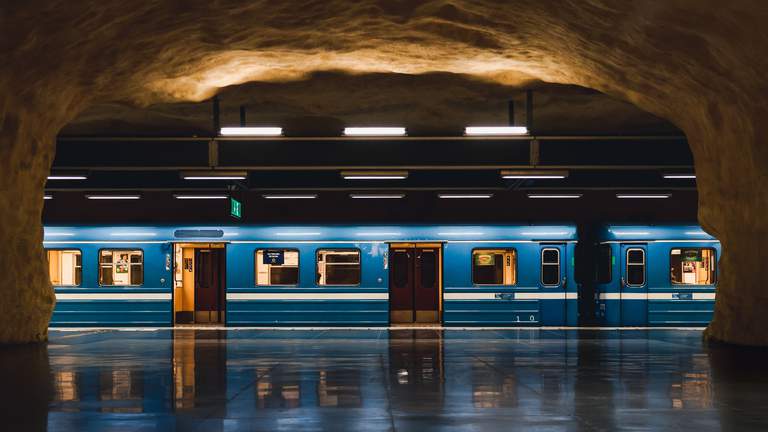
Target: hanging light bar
x,y
374,175
251,131
289,196
374,131
679,176
553,196
201,197
495,130
643,196
113,196
465,195
534,174
377,196
68,176
214,175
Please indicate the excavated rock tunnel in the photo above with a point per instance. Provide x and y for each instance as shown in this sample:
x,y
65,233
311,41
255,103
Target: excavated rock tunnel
x,y
696,64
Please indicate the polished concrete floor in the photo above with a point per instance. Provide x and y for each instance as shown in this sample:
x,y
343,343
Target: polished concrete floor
x,y
370,380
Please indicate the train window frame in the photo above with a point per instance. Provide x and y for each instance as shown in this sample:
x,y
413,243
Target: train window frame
x,y
98,268
714,267
67,250
256,267
542,264
514,267
359,264
627,264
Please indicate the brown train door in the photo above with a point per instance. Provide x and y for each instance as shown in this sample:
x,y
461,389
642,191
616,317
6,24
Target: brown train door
x,y
209,285
414,284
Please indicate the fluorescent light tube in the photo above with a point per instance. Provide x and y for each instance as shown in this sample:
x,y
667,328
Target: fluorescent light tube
x,y
113,197
376,196
374,131
464,196
495,130
679,176
47,197
201,197
643,196
67,177
289,196
251,131
554,196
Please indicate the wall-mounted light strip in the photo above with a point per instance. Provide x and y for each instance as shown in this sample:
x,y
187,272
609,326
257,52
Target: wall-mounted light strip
x,y
374,131
64,176
534,174
289,196
201,197
643,196
464,196
251,131
214,175
376,196
495,130
553,196
374,175
114,197
679,176
47,197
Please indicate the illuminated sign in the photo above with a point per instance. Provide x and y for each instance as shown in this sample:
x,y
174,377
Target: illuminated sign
x,y
235,208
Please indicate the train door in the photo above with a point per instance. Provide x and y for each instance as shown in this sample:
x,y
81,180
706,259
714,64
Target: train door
x,y
415,283
552,282
199,283
634,285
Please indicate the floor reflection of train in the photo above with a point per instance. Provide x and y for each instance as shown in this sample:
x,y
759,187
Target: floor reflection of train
x,y
454,275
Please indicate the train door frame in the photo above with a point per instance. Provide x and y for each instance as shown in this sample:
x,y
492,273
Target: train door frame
x,y
633,299
412,248
182,286
553,305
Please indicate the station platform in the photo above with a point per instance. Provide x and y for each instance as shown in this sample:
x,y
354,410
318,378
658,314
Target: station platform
x,y
402,379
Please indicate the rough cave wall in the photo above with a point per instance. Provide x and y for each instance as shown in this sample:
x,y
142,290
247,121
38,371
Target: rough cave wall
x,y
698,63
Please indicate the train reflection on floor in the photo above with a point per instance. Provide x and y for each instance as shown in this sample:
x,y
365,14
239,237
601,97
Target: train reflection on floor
x,y
381,380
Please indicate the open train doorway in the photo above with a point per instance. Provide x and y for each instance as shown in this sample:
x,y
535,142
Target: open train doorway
x,y
415,283
199,283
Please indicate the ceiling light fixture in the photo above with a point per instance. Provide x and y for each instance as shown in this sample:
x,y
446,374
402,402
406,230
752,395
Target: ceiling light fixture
x,y
464,196
214,175
68,176
374,175
47,197
374,131
495,130
201,197
678,176
376,196
289,196
534,174
553,196
251,131
114,197
643,196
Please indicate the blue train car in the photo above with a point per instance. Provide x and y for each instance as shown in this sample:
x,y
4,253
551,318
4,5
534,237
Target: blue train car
x,y
313,275
656,275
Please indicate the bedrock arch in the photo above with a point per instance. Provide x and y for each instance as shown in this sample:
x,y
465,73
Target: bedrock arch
x,y
697,63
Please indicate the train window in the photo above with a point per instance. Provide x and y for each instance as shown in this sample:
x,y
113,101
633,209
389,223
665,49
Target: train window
x,y
277,267
494,266
550,266
121,267
635,267
338,267
692,266
65,267
428,268
604,263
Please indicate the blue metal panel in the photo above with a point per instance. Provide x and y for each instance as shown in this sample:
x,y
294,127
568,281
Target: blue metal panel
x,y
75,313
307,312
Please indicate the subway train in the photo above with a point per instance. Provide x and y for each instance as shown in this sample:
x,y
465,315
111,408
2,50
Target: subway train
x,y
376,275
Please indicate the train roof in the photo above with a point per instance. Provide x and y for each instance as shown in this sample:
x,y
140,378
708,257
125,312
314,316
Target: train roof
x,y
303,233
622,232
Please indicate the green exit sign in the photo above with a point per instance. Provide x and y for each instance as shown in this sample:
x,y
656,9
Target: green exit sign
x,y
235,208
